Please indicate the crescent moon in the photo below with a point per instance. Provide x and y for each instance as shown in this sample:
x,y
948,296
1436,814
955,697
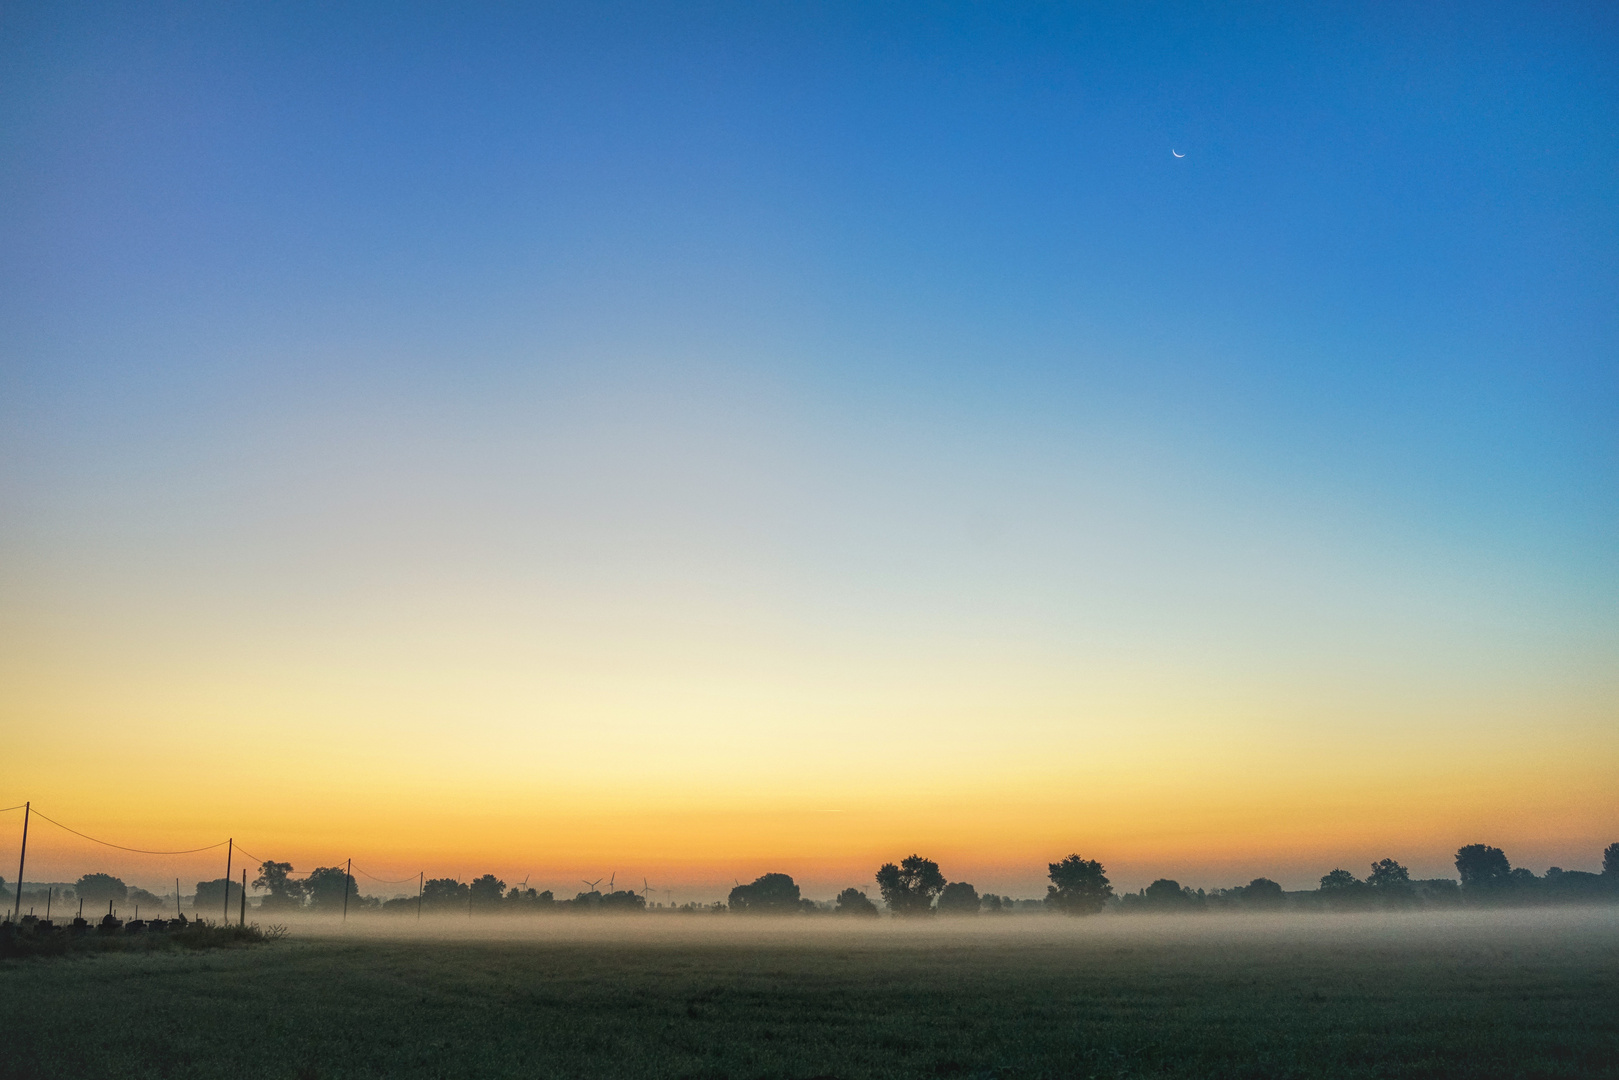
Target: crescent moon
x,y
1172,151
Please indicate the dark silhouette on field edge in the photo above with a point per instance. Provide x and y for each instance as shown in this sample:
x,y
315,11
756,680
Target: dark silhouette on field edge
x,y
915,886
909,888
769,894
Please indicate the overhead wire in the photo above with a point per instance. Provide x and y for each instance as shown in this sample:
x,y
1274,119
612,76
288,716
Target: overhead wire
x,y
383,881
249,854
188,851
305,873
261,862
121,847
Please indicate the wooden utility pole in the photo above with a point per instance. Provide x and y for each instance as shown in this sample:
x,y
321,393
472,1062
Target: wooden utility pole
x,y
348,876
230,849
241,919
177,910
22,860
421,880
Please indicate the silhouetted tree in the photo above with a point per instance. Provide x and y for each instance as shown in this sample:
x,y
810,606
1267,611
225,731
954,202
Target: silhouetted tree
x,y
210,898
1078,886
1391,883
285,894
1389,875
768,894
1575,886
1167,894
623,901
992,902
852,901
1436,892
1610,860
486,892
530,898
909,888
151,901
1482,867
1341,889
326,886
444,894
959,898
1164,890
1263,893
100,888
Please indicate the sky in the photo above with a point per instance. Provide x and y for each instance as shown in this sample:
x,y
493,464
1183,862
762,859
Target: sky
x,y
691,441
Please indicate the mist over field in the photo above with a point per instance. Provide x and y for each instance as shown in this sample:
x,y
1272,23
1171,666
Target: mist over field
x,y
1528,993
1572,927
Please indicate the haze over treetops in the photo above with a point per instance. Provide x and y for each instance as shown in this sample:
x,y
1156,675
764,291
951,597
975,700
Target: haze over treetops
x,y
703,443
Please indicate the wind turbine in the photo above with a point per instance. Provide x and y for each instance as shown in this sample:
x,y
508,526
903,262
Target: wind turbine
x,y
592,884
611,881
646,890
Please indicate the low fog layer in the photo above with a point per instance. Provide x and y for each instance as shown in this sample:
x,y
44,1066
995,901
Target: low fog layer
x,y
1558,928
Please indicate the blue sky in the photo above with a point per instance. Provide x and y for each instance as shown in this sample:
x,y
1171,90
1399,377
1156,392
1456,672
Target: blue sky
x,y
1392,226
896,329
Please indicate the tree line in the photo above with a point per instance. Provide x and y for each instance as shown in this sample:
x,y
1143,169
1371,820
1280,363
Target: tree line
x,y
914,886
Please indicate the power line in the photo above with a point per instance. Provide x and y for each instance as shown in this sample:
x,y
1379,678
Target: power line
x,y
290,873
187,851
121,847
383,881
249,854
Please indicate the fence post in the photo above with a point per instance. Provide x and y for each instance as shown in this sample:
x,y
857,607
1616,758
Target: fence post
x,y
242,918
230,849
348,876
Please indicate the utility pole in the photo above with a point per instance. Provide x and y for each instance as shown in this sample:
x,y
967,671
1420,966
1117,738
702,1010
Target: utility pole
x,y
230,849
22,860
242,918
177,911
421,880
348,876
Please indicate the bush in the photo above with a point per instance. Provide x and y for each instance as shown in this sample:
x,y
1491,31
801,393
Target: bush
x,y
852,901
100,888
959,898
771,894
31,941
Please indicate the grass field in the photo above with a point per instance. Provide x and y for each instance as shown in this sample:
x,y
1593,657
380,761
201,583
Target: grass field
x,y
1465,995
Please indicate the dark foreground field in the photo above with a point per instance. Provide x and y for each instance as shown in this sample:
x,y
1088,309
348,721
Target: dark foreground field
x,y
1535,994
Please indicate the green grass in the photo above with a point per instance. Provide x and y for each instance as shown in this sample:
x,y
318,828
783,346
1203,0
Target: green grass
x,y
1461,996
